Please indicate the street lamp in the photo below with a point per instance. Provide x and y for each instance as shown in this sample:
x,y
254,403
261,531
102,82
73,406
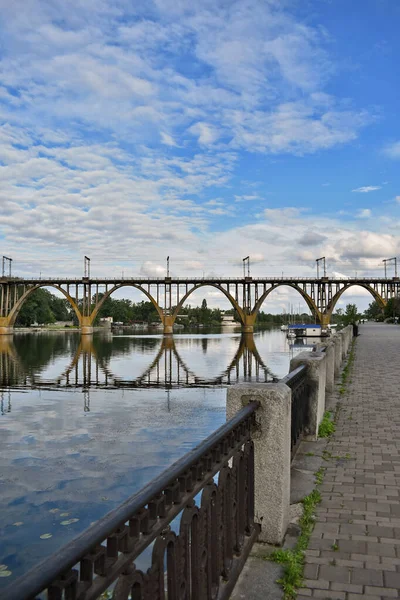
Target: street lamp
x,y
167,266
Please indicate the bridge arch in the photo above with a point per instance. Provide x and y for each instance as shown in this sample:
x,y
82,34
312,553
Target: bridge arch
x,y
231,299
309,301
18,305
107,295
335,298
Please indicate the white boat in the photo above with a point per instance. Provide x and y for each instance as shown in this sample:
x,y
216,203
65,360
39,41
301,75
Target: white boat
x,y
284,328
291,334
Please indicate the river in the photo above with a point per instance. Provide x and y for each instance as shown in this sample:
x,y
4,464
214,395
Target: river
x,y
87,421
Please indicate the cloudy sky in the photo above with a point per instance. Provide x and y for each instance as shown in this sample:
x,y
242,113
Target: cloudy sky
x,y
206,130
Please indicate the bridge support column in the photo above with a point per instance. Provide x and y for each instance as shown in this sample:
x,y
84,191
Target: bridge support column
x,y
86,326
248,325
168,322
5,326
324,320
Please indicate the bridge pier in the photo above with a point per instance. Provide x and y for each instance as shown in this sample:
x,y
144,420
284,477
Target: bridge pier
x,y
86,326
248,325
168,323
6,327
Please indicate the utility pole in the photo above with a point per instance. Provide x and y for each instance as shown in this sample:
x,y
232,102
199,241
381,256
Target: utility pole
x,y
246,260
386,260
86,265
6,260
167,266
318,261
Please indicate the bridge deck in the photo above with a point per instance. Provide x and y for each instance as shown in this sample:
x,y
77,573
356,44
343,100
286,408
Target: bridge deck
x,y
354,551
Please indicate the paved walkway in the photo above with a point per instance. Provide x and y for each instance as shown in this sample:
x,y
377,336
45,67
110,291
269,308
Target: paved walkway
x,y
354,551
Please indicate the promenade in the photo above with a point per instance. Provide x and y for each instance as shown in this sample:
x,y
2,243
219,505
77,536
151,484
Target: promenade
x,y
354,551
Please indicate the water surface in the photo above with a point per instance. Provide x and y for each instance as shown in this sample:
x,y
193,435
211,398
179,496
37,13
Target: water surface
x,y
86,422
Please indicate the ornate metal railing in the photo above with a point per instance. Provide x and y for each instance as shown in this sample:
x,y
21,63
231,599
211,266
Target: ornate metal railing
x,y
298,382
198,557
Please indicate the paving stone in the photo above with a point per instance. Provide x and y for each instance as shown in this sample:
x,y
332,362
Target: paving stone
x,y
392,580
360,508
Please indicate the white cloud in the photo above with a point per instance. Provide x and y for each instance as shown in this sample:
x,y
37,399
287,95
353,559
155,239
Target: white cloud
x,y
392,150
364,213
367,188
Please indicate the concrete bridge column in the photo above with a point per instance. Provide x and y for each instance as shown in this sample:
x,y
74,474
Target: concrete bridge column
x,y
168,322
248,325
5,326
86,325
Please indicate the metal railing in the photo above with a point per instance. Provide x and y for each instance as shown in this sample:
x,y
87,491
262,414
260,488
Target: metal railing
x,y
199,557
298,382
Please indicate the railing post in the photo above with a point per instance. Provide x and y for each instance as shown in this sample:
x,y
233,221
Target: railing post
x,y
271,454
330,364
316,378
337,340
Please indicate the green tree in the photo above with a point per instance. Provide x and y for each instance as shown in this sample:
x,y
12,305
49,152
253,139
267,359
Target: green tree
x,y
392,308
374,311
351,315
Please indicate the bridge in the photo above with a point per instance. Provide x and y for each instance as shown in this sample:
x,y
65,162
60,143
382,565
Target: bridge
x,y
87,295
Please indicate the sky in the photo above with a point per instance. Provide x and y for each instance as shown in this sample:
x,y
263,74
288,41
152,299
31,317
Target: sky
x,y
203,130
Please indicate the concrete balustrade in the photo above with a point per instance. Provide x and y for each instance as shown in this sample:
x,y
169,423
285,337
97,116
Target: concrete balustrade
x,y
316,376
272,440
271,453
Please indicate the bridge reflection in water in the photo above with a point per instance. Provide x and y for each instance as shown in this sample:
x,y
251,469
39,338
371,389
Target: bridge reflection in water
x,y
91,365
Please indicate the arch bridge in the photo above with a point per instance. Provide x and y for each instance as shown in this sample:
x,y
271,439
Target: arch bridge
x,y
168,295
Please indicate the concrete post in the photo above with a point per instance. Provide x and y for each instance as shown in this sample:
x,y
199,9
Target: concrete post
x,y
343,337
330,366
271,453
337,340
316,374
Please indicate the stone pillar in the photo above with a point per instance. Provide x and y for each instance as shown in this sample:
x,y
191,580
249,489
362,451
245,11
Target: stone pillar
x,y
337,340
330,366
316,374
271,453
86,326
343,335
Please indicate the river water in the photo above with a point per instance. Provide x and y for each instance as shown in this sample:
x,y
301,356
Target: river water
x,y
86,421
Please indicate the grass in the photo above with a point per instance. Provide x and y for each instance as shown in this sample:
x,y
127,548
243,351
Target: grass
x,y
327,426
293,560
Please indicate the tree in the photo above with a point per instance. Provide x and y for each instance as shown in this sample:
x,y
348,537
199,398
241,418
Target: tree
x,y
374,311
392,308
351,315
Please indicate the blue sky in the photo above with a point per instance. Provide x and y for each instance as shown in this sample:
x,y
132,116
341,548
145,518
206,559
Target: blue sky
x,y
204,130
